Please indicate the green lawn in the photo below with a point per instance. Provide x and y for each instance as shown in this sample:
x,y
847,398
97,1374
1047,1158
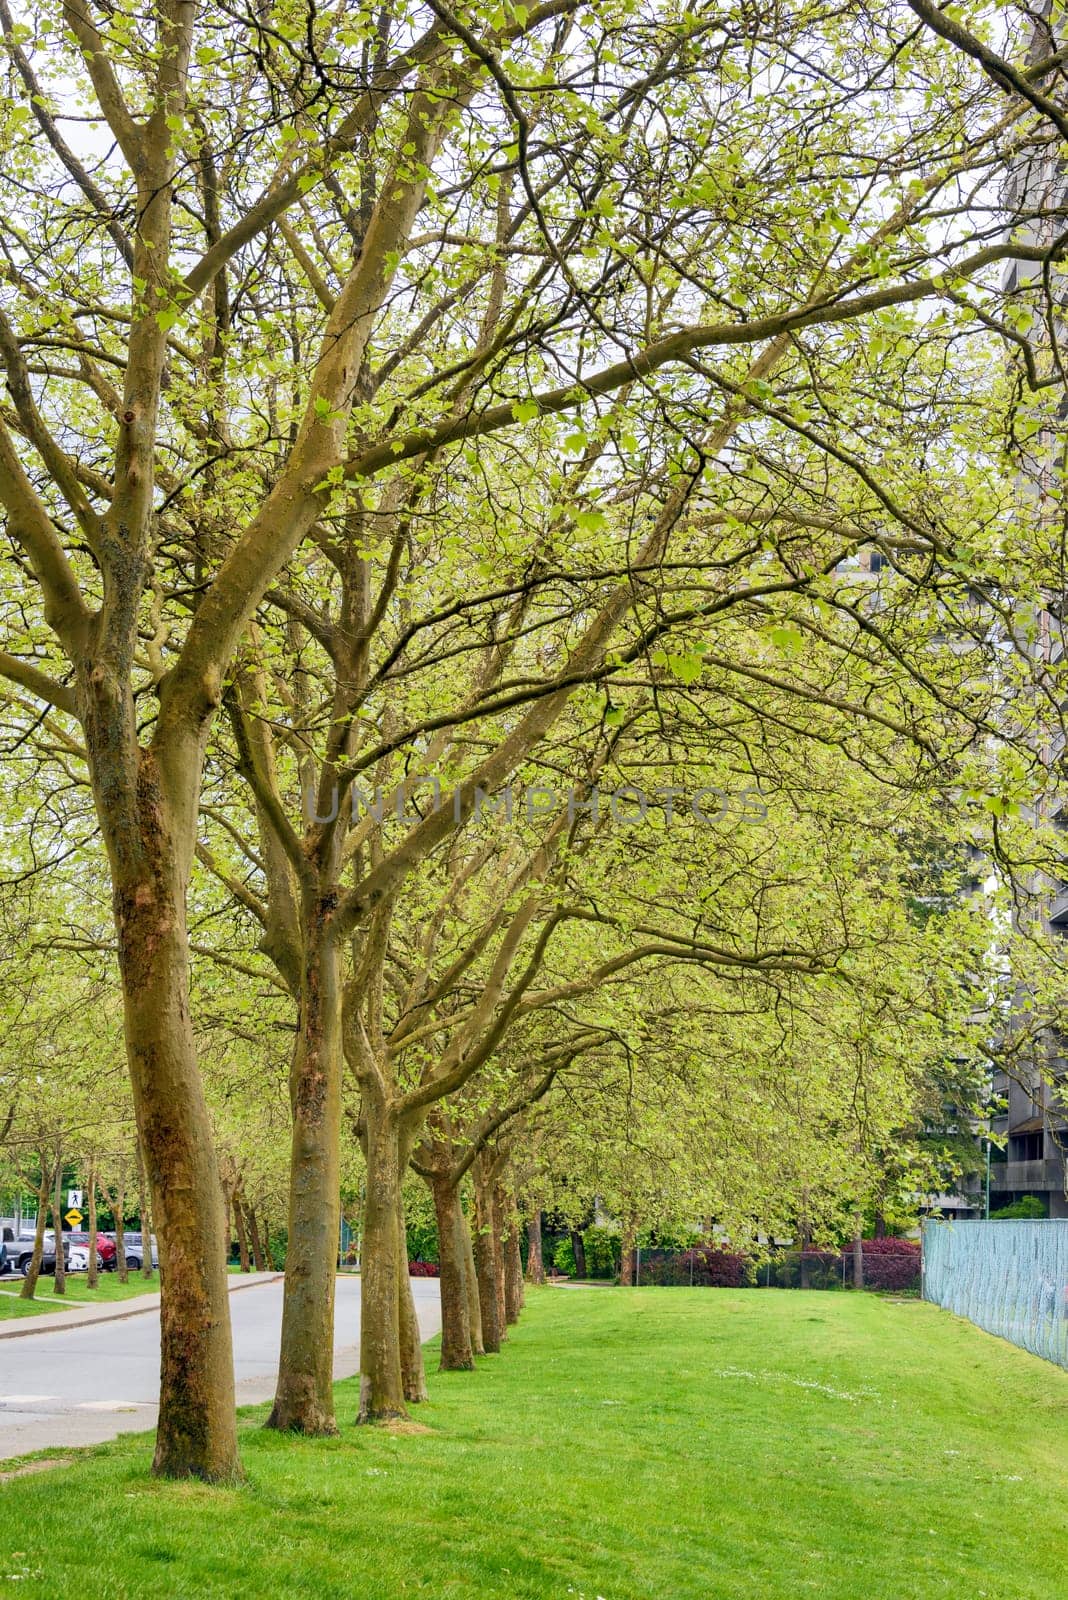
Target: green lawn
x,y
78,1294
664,1444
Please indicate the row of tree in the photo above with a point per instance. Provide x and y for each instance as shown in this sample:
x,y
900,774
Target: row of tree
x,y
515,577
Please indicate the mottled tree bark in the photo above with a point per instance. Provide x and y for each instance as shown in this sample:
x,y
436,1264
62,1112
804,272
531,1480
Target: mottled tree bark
x,y
304,1398
92,1277
535,1259
457,1354
254,1239
413,1369
118,1211
44,1184
497,1212
579,1248
57,1225
513,1263
858,1257
196,1435
381,1374
265,1233
626,1260
239,1229
474,1300
487,1253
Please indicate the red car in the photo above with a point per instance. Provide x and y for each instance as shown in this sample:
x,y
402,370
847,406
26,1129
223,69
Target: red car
x,y
105,1248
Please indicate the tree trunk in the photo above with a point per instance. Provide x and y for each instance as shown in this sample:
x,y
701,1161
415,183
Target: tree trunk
x,y
517,1266
118,1209
150,844
239,1229
457,1354
806,1263
413,1369
265,1231
858,1258
92,1277
304,1397
535,1259
513,1264
626,1259
44,1184
580,1253
57,1225
381,1376
254,1236
498,1259
145,1211
474,1303
486,1268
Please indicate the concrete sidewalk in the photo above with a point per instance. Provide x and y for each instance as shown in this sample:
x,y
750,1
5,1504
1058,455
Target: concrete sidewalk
x,y
77,1316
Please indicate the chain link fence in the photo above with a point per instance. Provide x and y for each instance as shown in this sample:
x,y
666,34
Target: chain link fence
x,y
891,1265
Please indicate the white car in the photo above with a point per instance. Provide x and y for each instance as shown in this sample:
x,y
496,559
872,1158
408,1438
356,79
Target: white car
x,y
78,1258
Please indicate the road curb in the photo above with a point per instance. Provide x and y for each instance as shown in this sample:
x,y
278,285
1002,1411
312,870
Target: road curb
x,y
55,1323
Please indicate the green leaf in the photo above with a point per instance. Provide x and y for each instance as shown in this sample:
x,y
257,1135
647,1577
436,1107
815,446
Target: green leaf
x,y
787,638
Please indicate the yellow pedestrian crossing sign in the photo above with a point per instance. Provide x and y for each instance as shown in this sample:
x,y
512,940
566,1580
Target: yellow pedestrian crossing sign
x,y
73,1216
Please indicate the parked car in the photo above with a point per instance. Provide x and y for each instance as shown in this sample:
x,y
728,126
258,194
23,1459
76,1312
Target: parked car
x,y
21,1253
106,1253
78,1258
135,1251
16,1251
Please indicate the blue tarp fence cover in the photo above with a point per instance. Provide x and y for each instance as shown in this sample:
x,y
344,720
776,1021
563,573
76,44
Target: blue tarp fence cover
x,y
1010,1278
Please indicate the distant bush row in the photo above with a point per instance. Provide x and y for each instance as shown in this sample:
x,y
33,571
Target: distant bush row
x,y
889,1264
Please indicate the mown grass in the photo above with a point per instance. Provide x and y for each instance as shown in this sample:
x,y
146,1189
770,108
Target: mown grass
x,y
78,1294
629,1444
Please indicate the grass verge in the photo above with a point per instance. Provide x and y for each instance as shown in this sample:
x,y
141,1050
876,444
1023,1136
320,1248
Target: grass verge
x,y
632,1445
78,1293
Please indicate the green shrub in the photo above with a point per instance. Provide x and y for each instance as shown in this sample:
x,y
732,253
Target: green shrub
x,y
420,1220
604,1252
564,1257
422,1240
1029,1207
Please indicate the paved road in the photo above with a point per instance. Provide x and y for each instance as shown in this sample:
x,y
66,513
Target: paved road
x,y
82,1385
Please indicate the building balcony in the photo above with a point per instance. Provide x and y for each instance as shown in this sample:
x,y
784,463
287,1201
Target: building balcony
x,y
1042,1175
1058,909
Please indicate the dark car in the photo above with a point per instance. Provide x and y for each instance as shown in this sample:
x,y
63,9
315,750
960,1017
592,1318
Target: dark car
x,y
106,1253
20,1253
